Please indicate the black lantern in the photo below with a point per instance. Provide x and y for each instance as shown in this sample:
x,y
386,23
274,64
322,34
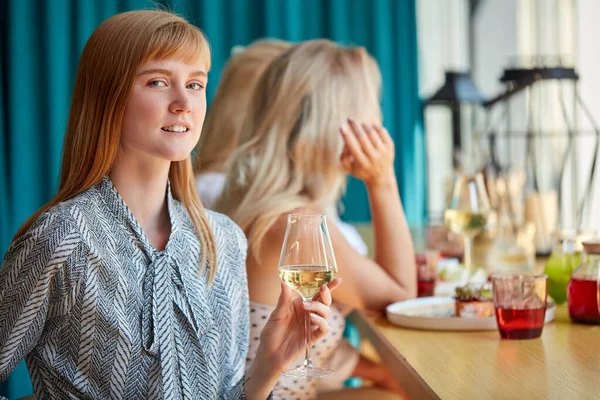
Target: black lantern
x,y
460,95
449,125
547,144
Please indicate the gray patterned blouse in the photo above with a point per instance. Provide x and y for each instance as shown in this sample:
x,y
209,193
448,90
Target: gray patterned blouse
x,y
99,313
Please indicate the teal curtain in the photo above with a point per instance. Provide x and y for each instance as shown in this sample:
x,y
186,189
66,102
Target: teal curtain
x,y
41,41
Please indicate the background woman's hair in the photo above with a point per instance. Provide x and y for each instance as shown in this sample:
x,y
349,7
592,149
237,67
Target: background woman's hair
x,y
104,81
221,131
289,152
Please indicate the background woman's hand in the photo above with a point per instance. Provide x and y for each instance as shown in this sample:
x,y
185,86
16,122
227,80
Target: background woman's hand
x,y
282,340
368,152
386,380
378,374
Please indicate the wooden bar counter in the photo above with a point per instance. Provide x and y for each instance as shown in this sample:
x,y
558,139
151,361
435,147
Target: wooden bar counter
x,y
563,364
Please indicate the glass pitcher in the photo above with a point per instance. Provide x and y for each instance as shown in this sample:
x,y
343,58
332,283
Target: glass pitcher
x,y
564,259
513,250
584,287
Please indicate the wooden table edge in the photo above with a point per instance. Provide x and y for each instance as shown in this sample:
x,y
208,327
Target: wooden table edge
x,y
414,385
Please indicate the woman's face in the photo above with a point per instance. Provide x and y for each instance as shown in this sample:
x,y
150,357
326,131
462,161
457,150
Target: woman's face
x,y
164,116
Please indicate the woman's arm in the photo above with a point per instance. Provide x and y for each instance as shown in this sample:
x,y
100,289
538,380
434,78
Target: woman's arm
x,y
393,243
391,276
28,279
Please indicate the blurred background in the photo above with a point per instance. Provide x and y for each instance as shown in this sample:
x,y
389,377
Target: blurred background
x,y
506,88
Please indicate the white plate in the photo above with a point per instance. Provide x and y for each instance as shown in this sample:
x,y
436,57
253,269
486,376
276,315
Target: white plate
x,y
438,313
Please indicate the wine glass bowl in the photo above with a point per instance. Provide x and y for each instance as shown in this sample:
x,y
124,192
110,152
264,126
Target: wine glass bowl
x,y
306,280
306,263
467,211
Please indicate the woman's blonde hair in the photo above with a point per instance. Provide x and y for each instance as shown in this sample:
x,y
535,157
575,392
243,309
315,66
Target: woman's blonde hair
x,y
289,152
221,131
104,81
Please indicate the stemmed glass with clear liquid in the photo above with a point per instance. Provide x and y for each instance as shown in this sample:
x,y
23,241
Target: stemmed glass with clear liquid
x,y
468,212
306,263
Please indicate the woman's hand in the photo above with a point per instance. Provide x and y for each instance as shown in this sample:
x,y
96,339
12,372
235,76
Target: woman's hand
x,y
378,374
282,340
368,153
386,381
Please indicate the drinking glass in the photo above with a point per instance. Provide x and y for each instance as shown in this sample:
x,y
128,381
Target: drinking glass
x,y
306,263
520,303
427,263
468,211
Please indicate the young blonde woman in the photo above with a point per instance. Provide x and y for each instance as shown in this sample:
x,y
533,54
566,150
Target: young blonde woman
x,y
221,131
123,286
314,118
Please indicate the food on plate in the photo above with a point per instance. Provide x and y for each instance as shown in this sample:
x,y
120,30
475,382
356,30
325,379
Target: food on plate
x,y
450,270
474,300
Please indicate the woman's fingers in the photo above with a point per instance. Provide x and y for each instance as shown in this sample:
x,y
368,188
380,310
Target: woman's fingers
x,y
324,295
285,298
331,286
378,140
286,295
322,327
362,133
353,146
368,141
384,137
365,142
317,308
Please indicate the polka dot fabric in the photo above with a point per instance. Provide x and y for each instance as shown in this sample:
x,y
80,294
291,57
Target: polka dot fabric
x,y
332,351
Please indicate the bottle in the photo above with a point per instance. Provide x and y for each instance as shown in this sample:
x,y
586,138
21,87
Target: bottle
x,y
584,289
561,264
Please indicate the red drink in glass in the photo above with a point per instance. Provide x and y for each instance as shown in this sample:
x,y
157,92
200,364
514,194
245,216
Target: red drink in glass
x,y
583,301
426,272
520,324
520,301
425,288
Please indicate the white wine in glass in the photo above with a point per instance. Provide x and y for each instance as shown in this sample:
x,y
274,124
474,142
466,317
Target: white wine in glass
x,y
306,280
468,211
465,223
306,263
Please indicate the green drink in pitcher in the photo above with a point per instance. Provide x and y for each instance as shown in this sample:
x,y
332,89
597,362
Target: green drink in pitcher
x,y
565,258
559,269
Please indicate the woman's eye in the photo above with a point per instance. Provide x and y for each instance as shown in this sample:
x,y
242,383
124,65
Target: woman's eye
x,y
157,84
195,86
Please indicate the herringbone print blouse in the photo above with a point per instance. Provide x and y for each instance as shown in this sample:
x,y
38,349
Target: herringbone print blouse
x,y
99,313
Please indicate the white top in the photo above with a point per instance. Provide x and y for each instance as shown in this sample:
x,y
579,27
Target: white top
x,y
210,186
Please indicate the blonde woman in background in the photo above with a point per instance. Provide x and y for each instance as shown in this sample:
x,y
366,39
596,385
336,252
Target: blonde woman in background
x,y
314,118
221,132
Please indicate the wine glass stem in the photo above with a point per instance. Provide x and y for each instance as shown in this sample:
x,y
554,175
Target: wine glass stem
x,y
307,328
468,256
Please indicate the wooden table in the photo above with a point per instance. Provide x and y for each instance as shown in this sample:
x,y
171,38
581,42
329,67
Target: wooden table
x,y
563,364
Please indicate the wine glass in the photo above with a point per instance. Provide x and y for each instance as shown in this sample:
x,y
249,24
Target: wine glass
x,y
306,263
467,212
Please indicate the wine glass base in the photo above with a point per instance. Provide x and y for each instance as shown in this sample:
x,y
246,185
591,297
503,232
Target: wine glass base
x,y
308,372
